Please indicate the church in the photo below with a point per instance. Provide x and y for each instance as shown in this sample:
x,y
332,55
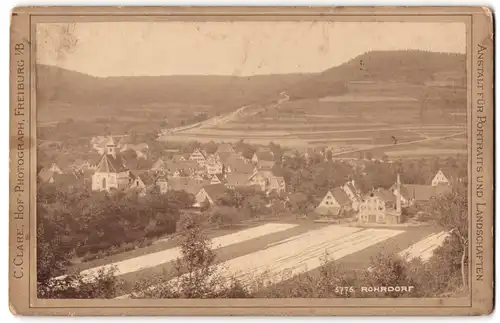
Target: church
x,y
111,172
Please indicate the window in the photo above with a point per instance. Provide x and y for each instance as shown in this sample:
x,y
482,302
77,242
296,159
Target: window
x,y
104,183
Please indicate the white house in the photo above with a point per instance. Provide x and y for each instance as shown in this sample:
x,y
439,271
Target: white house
x,y
440,178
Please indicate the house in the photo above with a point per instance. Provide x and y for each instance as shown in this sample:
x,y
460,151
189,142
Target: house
x,y
267,181
262,155
216,179
335,202
418,193
210,193
159,165
441,178
213,167
111,172
198,156
144,181
354,194
382,206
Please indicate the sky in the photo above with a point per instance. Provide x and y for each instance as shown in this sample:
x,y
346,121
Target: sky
x,y
231,48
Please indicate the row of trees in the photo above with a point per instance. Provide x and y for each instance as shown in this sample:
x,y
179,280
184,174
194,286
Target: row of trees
x,y
81,223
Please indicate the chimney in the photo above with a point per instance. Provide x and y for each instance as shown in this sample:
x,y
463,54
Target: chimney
x,y
398,195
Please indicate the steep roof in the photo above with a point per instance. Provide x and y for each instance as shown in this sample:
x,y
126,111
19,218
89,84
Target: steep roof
x,y
146,177
340,196
110,164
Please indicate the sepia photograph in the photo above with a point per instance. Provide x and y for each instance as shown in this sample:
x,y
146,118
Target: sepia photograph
x,y
246,159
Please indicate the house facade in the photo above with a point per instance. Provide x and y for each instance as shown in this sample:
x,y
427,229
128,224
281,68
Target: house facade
x,y
198,156
267,181
381,206
334,203
213,167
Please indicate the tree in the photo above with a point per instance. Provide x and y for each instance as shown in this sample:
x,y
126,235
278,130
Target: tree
x,y
450,212
196,273
298,203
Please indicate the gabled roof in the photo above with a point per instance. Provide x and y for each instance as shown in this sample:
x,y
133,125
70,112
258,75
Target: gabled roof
x,y
110,164
199,151
146,177
340,196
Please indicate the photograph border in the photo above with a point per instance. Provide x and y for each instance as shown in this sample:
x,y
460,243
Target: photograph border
x,y
22,242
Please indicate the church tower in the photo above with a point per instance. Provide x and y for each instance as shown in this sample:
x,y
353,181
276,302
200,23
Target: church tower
x,y
111,147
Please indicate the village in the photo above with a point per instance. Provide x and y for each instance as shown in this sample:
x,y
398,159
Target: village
x,y
119,165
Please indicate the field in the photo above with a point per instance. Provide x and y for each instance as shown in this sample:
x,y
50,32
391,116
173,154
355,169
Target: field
x,y
274,248
393,125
